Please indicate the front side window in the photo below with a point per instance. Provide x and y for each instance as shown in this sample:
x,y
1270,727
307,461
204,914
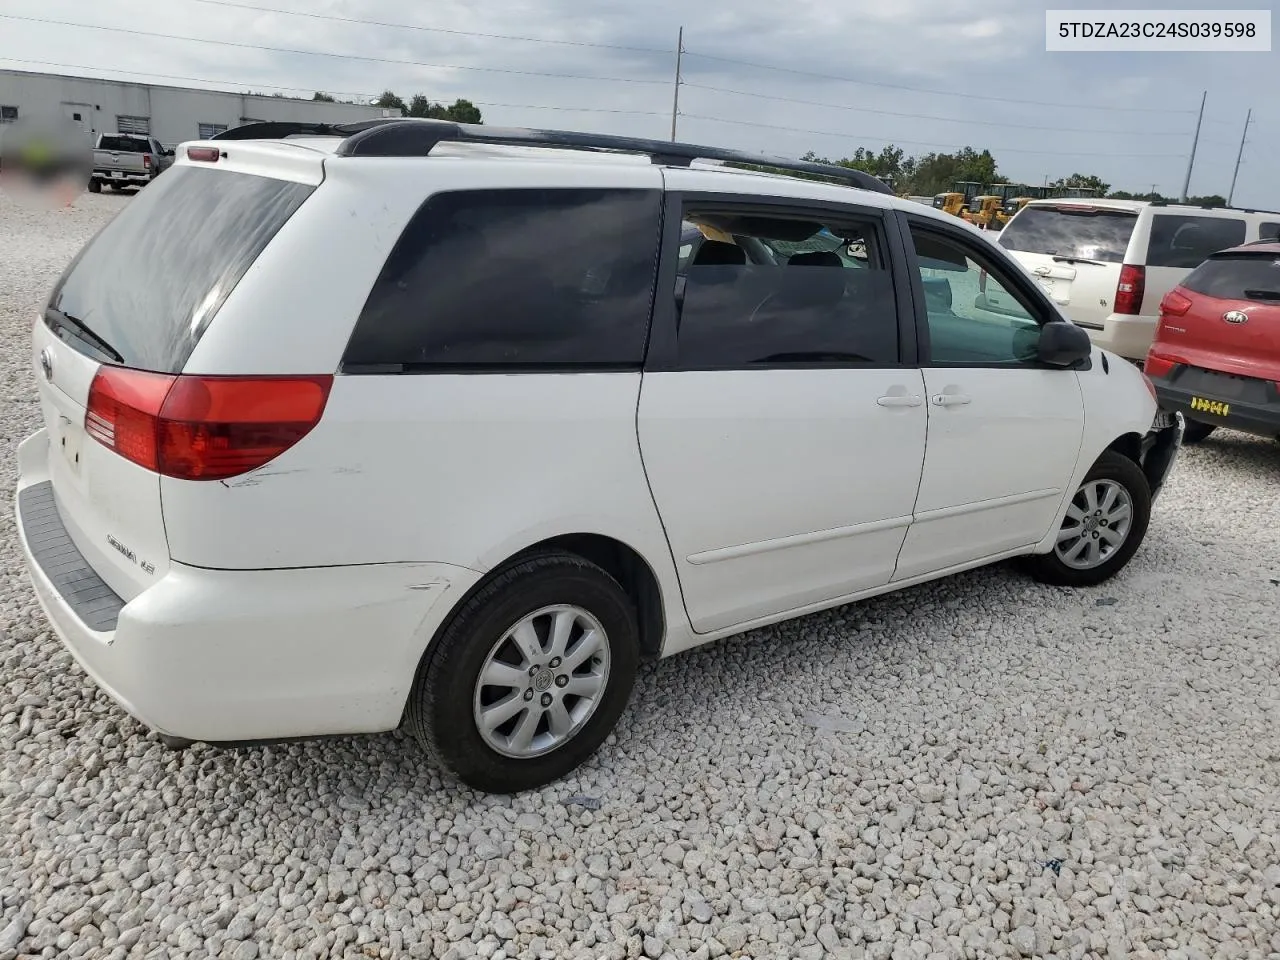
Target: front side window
x,y
779,290
1185,242
531,278
976,317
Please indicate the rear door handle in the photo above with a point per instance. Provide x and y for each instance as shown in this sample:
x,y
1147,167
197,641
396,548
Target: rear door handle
x,y
899,400
950,399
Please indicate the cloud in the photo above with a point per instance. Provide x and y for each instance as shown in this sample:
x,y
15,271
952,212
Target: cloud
x,y
927,74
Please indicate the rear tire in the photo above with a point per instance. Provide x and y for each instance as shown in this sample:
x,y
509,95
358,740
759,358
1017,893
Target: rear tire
x,y
1104,526
1196,431
558,689
95,186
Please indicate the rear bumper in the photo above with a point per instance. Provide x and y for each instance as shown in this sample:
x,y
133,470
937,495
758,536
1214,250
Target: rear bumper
x,y
129,177
1127,336
229,656
1260,419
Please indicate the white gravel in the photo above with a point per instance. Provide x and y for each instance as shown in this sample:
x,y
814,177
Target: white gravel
x,y
982,767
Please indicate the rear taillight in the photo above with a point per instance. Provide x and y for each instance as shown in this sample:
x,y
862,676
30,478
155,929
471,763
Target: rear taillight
x,y
202,428
1157,366
1130,289
1174,304
146,160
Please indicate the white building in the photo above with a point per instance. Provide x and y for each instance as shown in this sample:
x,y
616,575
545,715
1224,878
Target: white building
x,y
170,114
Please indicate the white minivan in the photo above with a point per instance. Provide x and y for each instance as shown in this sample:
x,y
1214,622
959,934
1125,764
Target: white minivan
x,y
1108,263
425,423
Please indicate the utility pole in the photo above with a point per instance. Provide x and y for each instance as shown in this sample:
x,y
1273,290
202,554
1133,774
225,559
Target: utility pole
x,y
675,102
1247,119
1186,184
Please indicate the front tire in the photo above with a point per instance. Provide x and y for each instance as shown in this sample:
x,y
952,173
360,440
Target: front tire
x,y
530,675
1103,527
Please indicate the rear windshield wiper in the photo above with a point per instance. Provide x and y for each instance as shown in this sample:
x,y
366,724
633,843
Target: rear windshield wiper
x,y
1262,294
78,328
1062,259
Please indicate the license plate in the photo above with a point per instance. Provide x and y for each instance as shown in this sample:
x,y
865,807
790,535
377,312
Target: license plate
x,y
70,442
1213,407
116,173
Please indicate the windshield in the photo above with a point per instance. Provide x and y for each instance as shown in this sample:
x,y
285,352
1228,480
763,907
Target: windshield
x,y
145,288
1249,277
1087,233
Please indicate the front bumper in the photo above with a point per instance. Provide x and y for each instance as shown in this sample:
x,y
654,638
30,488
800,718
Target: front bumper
x,y
238,655
1160,450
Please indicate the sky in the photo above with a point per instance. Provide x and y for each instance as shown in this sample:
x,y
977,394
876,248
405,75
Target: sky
x,y
760,75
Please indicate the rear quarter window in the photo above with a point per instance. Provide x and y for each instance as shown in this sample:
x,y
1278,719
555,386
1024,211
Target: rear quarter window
x,y
152,279
1250,277
1186,240
1090,233
516,278
1269,231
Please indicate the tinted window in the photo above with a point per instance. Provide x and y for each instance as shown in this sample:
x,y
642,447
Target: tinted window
x,y
975,317
784,291
1251,277
125,144
1185,241
543,277
9,114
1090,233
152,279
1269,231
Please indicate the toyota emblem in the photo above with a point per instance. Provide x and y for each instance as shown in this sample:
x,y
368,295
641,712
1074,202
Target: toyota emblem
x,y
46,363
1236,316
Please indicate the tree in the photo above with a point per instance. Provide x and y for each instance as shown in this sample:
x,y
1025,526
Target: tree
x,y
419,106
1083,180
389,101
323,97
464,111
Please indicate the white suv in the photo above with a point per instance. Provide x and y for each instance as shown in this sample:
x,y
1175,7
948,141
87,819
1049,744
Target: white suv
x,y
427,423
1108,263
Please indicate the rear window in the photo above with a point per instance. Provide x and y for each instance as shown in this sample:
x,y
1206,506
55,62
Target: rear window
x,y
519,278
1089,233
1251,277
124,144
152,279
1185,241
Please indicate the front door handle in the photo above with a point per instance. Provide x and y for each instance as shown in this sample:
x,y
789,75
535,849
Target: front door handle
x,y
899,400
950,399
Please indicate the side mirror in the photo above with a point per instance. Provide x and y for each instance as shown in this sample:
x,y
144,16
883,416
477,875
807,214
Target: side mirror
x,y
1063,344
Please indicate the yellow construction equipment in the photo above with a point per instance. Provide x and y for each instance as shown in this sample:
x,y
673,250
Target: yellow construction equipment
x,y
982,210
952,203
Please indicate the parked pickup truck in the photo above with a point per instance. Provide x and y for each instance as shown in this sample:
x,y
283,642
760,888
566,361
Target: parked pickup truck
x,y
127,160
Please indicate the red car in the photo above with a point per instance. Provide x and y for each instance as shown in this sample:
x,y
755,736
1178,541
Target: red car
x,y
1216,353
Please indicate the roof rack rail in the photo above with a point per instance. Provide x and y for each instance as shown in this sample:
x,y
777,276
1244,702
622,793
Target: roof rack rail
x,y
281,129
414,137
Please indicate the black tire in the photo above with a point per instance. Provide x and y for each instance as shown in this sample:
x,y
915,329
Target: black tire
x,y
95,186
440,709
1050,568
1197,431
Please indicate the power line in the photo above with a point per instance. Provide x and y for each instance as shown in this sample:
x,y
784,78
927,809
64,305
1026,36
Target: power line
x,y
925,116
921,143
256,8
936,93
324,53
364,96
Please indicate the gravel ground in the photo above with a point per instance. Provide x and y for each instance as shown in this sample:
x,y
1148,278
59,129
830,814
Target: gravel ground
x,y
982,767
